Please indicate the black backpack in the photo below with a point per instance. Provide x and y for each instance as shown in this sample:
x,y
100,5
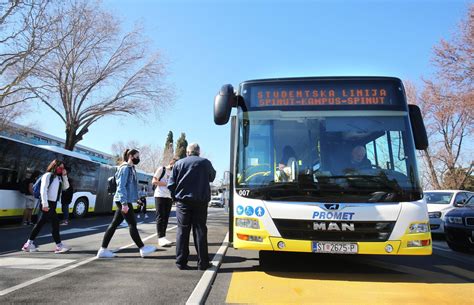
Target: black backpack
x,y
163,172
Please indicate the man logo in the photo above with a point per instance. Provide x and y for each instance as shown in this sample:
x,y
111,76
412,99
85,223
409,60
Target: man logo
x,y
332,206
333,226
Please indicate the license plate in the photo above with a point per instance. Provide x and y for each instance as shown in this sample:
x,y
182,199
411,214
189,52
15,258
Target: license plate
x,y
334,247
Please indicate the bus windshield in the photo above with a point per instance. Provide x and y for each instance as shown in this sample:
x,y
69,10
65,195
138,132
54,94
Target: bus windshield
x,y
327,156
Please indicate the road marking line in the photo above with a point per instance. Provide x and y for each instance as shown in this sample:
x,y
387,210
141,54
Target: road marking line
x,y
200,292
145,239
54,273
458,271
452,255
44,277
33,263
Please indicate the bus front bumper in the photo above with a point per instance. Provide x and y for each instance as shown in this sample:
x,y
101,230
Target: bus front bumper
x,y
270,243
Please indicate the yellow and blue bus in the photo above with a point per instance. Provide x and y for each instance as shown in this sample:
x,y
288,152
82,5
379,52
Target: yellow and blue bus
x,y
325,165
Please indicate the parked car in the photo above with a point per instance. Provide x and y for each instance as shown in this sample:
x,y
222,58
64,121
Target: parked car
x,y
459,227
441,202
216,201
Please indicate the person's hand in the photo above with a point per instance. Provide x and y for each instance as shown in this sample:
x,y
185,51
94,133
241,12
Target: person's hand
x,y
125,209
45,209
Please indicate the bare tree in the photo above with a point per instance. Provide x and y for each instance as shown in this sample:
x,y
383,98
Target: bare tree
x,y
96,71
455,59
150,156
449,122
428,170
448,107
24,31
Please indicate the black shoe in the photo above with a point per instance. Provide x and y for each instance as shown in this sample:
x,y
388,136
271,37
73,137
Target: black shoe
x,y
205,267
183,267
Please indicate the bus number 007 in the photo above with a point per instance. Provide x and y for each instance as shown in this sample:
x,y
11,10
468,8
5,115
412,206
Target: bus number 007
x,y
244,193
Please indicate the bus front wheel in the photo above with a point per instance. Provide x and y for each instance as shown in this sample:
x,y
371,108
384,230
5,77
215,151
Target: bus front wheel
x,y
80,207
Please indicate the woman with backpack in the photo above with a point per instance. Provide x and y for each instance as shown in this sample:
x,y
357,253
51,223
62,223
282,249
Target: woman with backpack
x,y
126,193
52,183
163,201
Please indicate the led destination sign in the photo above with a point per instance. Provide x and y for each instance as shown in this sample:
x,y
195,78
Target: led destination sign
x,y
315,94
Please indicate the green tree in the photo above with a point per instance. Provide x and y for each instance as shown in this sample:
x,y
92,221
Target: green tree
x,y
181,146
168,151
169,139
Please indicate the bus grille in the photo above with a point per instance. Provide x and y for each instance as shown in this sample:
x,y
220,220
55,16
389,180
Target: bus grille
x,y
369,231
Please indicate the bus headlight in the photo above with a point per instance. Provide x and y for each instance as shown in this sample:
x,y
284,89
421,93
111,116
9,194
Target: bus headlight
x,y
419,228
457,220
247,223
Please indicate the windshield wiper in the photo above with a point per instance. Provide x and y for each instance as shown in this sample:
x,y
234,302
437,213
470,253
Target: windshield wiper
x,y
381,180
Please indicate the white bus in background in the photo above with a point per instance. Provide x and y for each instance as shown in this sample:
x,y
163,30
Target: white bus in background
x,y
89,178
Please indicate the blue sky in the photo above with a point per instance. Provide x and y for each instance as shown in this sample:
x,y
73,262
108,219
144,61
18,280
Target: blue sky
x,y
210,43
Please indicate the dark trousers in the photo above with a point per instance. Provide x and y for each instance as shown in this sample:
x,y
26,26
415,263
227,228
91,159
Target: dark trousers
x,y
191,215
118,218
163,210
142,208
65,210
45,217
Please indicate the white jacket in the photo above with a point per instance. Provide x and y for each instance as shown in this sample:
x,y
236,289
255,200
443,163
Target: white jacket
x,y
50,192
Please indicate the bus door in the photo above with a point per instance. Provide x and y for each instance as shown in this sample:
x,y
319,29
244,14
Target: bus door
x,y
104,201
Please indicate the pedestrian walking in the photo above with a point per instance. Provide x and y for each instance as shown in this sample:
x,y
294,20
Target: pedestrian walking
x,y
189,187
163,201
66,200
26,188
127,192
142,202
53,182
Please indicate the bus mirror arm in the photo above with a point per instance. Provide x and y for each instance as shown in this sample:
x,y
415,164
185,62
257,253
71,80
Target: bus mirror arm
x,y
223,103
418,127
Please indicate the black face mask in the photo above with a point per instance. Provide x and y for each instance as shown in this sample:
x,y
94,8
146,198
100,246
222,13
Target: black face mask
x,y
136,161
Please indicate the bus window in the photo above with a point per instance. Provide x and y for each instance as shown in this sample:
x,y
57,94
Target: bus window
x,y
387,152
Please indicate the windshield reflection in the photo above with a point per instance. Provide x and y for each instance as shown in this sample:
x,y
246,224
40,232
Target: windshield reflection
x,y
326,158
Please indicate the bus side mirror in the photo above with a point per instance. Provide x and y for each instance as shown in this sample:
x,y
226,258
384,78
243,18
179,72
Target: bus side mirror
x,y
223,103
418,127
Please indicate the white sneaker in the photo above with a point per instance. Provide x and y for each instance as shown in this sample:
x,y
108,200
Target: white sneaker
x,y
146,216
163,242
29,247
62,248
147,250
138,216
105,253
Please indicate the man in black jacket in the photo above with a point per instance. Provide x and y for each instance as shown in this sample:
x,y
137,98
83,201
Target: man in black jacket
x,y
359,159
189,187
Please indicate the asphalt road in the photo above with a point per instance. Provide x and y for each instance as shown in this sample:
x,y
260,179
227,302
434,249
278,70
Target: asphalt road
x,y
78,278
446,277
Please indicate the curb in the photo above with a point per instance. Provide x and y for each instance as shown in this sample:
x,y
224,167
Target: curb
x,y
202,289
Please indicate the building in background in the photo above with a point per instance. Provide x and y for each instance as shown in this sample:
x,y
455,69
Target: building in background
x,y
36,137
